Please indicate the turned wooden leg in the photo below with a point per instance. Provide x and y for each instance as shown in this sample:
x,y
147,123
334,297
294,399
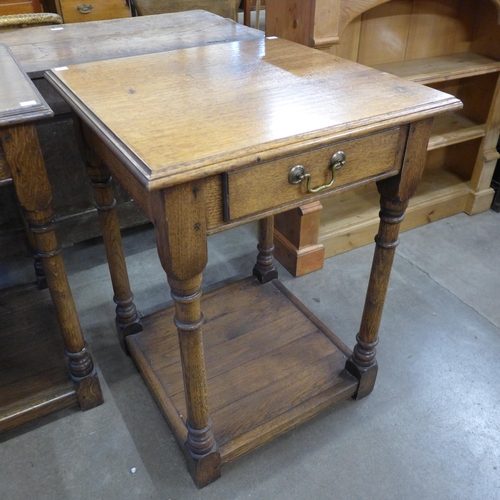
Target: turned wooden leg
x,y
179,218
395,192
265,268
362,363
203,458
25,160
127,318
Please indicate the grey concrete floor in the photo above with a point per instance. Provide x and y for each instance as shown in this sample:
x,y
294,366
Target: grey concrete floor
x,y
430,429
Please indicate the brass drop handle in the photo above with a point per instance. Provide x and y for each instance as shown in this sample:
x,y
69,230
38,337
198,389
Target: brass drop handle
x,y
84,8
297,174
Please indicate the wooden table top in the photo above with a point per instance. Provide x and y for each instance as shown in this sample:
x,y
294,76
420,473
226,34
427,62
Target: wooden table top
x,y
50,46
176,116
20,101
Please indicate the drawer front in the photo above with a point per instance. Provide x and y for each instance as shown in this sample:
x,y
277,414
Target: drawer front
x,y
79,11
265,186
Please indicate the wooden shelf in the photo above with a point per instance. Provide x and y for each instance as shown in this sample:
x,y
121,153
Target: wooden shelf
x,y
453,128
34,378
442,68
270,365
351,220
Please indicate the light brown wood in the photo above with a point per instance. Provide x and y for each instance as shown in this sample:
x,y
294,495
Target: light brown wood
x,y
224,8
296,239
451,45
81,11
300,105
442,68
368,158
9,7
227,145
240,402
390,23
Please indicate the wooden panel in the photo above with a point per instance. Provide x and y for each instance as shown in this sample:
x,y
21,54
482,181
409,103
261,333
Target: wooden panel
x,y
78,11
291,20
439,28
268,368
224,8
34,378
487,29
453,128
384,33
476,93
9,7
349,46
441,68
256,188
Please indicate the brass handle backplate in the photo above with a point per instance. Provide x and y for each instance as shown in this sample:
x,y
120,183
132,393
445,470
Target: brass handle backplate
x,y
298,173
84,8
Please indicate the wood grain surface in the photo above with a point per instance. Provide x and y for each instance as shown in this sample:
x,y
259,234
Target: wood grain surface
x,y
48,47
20,101
266,357
199,104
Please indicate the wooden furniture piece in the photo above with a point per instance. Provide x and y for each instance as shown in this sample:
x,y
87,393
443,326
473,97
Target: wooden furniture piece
x,y
247,9
451,45
224,8
34,379
48,47
80,11
264,362
9,7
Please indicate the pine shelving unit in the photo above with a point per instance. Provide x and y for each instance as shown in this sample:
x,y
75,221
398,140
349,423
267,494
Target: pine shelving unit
x,y
450,45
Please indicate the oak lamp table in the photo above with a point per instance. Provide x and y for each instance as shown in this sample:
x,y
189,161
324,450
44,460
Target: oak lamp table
x,y
34,380
207,138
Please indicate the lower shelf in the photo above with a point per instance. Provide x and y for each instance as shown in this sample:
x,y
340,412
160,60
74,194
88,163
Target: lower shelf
x,y
270,365
351,220
34,378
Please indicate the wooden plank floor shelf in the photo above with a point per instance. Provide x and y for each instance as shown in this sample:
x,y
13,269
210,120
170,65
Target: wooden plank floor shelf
x,y
34,378
265,373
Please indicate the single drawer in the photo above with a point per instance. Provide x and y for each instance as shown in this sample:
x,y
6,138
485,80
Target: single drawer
x,y
265,186
78,11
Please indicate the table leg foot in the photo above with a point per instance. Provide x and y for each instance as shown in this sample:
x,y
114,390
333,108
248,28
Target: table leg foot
x,y
88,391
85,379
366,377
127,320
204,470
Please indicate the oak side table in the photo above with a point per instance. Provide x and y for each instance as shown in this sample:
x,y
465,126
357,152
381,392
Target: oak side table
x,y
34,381
208,138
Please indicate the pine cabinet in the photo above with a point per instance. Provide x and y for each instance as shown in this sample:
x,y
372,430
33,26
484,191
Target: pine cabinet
x,y
450,45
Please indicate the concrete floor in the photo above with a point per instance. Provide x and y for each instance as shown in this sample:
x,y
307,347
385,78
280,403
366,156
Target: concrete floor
x,y
430,430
